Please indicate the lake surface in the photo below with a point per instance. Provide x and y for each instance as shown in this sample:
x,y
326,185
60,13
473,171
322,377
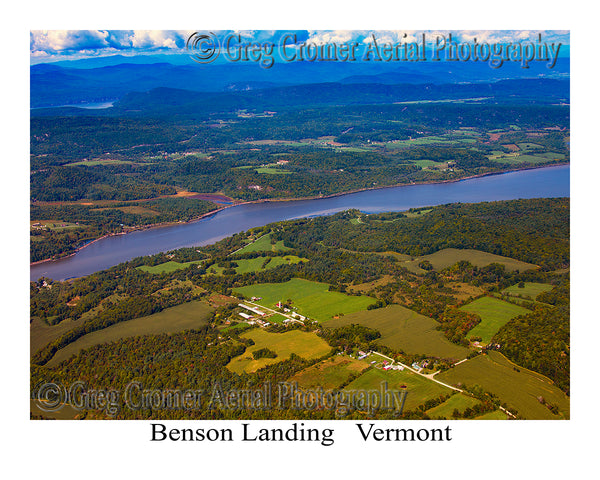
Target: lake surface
x,y
537,183
87,106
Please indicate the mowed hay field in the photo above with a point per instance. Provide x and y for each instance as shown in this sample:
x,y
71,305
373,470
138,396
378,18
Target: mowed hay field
x,y
419,389
256,264
304,344
330,373
167,266
263,244
41,334
449,256
248,265
312,299
530,290
494,313
495,415
519,389
458,402
403,329
186,316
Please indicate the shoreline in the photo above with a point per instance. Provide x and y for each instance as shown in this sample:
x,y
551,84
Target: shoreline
x,y
131,230
265,200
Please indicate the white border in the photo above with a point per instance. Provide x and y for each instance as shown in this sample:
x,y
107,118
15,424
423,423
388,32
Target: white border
x,y
488,449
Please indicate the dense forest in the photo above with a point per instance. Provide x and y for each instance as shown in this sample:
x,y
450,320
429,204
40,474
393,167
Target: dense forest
x,y
534,231
541,340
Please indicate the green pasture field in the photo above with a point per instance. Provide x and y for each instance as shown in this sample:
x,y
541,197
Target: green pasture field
x,y
524,302
283,143
57,225
458,401
186,316
495,415
403,329
519,389
530,291
419,141
464,139
420,389
312,299
426,163
466,132
215,270
255,264
353,149
330,373
449,256
263,244
93,163
238,326
273,171
167,267
276,318
416,214
304,344
527,158
494,313
248,265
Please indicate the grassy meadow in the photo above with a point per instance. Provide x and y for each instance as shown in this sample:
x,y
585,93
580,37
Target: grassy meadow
x,y
449,256
312,299
175,319
494,313
530,290
330,373
419,389
249,265
168,267
263,244
517,386
404,330
458,402
304,344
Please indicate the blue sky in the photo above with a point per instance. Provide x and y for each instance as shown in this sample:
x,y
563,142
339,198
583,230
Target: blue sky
x,y
56,45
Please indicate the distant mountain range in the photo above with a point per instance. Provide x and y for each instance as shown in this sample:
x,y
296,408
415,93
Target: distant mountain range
x,y
169,101
59,84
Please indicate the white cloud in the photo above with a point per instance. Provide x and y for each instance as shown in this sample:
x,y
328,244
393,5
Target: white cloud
x,y
81,43
150,39
94,42
61,40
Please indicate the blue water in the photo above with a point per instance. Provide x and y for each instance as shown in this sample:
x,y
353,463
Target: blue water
x,y
537,183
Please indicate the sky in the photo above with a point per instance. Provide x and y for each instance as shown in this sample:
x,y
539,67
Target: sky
x,y
60,45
